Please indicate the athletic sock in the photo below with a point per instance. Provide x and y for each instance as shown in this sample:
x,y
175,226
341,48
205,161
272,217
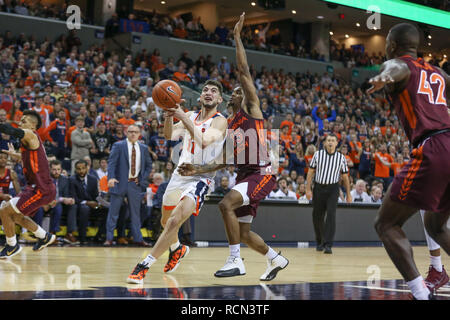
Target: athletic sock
x,y
174,246
235,250
149,260
11,241
40,233
436,262
271,254
418,288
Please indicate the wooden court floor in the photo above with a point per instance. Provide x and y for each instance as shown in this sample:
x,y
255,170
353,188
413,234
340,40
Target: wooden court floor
x,y
69,271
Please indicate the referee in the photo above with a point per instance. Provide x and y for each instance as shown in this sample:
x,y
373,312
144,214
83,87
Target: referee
x,y
326,168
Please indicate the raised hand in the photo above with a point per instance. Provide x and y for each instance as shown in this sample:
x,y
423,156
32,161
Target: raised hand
x,y
11,151
239,24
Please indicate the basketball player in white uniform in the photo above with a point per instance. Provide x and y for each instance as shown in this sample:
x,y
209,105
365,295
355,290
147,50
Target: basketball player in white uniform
x,y
203,137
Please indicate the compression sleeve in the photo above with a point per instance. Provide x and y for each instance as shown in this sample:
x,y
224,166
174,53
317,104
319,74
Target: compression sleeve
x,y
9,130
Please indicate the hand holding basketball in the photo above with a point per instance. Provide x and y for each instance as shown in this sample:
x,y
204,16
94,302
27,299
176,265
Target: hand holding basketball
x,y
167,94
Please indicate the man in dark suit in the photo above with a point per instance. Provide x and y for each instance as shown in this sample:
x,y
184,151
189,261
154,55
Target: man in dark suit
x,y
129,166
84,189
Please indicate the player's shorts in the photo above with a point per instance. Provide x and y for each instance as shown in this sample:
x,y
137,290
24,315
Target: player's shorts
x,y
253,187
425,181
193,187
31,199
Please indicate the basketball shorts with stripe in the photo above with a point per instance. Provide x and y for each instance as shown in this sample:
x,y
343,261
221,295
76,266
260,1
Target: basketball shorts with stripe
x,y
424,182
31,199
253,187
193,187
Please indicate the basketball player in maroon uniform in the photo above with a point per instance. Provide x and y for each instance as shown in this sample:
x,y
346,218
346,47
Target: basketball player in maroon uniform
x,y
255,179
39,191
418,92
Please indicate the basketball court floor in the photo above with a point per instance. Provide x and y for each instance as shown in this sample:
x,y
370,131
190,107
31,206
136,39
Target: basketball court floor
x,y
79,273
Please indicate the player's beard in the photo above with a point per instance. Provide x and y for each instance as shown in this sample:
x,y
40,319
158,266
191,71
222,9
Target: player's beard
x,y
209,106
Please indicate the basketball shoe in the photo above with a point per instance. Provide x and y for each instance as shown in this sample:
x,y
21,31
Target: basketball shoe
x,y
273,266
436,279
42,243
10,251
175,258
234,266
138,274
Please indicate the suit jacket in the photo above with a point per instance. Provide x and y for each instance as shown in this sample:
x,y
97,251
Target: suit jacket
x,y
119,166
63,187
77,191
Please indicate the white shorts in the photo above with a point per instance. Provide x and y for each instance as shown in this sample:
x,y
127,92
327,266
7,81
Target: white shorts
x,y
179,187
242,188
12,202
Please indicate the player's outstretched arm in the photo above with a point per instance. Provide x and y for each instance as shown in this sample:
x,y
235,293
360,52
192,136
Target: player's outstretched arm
x,y
251,100
392,71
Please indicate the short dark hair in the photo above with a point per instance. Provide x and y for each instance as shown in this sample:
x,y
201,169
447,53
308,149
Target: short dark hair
x,y
82,162
55,163
214,83
332,135
35,115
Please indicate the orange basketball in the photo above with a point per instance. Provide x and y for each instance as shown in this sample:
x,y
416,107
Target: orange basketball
x,y
166,94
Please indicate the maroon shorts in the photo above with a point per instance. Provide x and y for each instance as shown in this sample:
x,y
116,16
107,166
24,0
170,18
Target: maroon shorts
x,y
253,187
31,199
424,183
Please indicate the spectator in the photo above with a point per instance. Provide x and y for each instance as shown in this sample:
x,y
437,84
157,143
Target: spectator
x,y
224,65
261,35
376,195
359,193
382,159
223,189
365,159
102,141
160,149
180,32
63,203
283,191
81,142
222,33
103,169
6,99
84,189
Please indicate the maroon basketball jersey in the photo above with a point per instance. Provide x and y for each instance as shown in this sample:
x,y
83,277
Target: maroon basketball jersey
x,y
250,147
5,181
36,168
422,106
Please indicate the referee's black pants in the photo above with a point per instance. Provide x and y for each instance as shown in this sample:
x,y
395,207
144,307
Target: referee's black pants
x,y
325,198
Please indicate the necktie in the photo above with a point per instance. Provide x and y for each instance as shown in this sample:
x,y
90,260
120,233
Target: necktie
x,y
83,183
55,182
133,162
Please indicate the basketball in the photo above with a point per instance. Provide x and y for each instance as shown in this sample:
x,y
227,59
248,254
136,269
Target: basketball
x,y
166,94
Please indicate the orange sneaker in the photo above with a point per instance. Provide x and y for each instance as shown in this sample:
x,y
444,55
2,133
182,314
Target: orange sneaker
x,y
138,274
175,258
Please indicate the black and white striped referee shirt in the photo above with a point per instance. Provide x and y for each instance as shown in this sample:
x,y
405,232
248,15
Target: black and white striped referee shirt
x,y
328,166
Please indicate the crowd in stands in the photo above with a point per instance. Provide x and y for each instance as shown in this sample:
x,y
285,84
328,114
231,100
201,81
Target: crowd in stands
x,y
37,8
88,98
259,37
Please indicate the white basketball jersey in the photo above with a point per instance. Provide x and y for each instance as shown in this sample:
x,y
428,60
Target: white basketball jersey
x,y
193,153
